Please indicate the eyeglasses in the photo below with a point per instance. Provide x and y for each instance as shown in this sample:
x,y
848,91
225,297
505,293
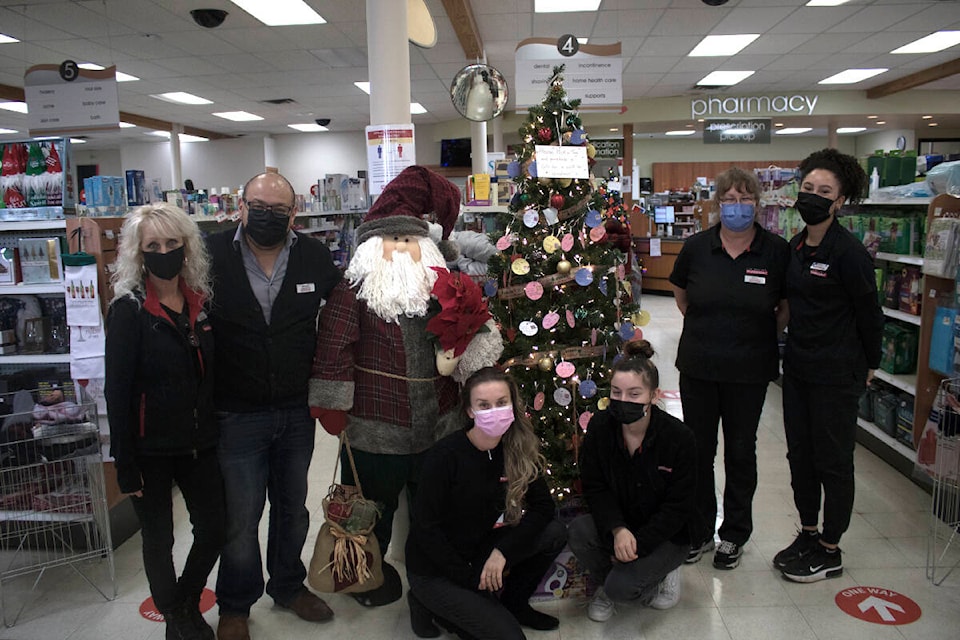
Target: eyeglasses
x,y
742,200
278,210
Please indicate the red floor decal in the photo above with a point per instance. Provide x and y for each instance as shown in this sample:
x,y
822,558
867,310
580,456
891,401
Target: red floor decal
x,y
878,605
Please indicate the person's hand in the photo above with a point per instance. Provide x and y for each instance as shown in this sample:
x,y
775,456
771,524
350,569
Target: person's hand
x,y
624,545
333,421
870,374
491,576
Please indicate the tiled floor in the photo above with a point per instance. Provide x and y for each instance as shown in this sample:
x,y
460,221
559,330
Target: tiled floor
x,y
885,547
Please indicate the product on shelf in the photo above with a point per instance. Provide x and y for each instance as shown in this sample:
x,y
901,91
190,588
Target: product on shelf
x,y
40,260
899,348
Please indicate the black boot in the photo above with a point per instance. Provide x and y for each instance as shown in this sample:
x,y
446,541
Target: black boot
x,y
192,610
421,620
389,591
179,625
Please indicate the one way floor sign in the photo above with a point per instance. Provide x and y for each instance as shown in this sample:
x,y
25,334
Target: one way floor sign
x,y
878,605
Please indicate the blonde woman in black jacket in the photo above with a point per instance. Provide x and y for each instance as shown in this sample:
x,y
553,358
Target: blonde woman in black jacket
x,y
159,389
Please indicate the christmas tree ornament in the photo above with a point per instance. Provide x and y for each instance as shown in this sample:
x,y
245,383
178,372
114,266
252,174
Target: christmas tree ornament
x,y
588,388
564,182
528,328
538,400
520,267
511,334
603,403
626,330
531,219
641,318
550,320
580,313
584,276
637,335
584,420
551,244
597,233
564,266
490,288
532,169
546,363
594,218
591,151
525,198
566,369
504,242
545,134
556,201
571,321
513,169
603,286
533,290
516,201
566,243
576,137
562,397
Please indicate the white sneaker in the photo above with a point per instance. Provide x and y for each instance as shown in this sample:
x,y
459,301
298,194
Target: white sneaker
x,y
601,607
669,594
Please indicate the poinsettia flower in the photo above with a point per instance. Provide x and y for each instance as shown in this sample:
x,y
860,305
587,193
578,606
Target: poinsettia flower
x,y
463,311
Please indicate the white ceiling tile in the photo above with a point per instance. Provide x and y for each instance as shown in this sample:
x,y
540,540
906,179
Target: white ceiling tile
x,y
752,19
679,22
781,43
942,15
241,63
650,64
814,19
190,66
796,61
668,46
875,18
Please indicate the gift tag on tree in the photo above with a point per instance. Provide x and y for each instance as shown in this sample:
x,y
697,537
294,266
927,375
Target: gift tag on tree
x,y
533,290
588,388
504,242
538,400
550,320
562,397
603,286
566,369
626,330
570,320
584,276
584,420
551,244
531,219
528,328
597,234
490,288
567,242
551,216
520,267
594,219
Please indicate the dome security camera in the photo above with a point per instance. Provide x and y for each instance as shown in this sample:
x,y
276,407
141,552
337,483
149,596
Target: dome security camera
x,y
322,121
714,3
209,18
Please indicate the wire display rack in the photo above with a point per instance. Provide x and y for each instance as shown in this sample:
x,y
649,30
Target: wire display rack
x,y
53,505
944,536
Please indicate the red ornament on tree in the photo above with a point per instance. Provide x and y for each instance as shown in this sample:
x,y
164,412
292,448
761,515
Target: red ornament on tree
x,y
556,201
545,134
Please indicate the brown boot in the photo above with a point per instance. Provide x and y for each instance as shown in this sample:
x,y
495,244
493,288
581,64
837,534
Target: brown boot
x,y
233,626
309,607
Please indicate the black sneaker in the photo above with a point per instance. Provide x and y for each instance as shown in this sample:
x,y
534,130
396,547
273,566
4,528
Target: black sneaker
x,y
697,550
727,555
805,542
815,565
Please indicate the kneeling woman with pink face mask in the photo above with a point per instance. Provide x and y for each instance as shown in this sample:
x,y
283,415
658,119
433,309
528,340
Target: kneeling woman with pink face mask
x,y
483,521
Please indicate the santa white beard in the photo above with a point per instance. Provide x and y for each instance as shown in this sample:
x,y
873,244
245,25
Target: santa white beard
x,y
396,287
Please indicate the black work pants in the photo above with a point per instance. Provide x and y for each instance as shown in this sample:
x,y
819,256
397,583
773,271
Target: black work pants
x,y
820,423
706,405
201,485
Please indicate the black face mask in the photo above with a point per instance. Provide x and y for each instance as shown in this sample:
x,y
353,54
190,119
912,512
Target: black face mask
x,y
627,412
813,209
265,228
165,266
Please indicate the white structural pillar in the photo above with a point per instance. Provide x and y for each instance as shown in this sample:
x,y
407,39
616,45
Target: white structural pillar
x,y
388,62
496,133
176,172
478,147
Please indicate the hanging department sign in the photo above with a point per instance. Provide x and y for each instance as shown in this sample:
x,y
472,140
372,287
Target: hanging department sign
x,y
593,73
746,131
752,105
64,99
610,149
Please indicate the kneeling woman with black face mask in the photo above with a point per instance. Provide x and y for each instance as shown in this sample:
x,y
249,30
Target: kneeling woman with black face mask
x,y
638,468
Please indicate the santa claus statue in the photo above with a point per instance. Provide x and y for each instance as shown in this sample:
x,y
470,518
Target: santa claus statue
x,y
375,370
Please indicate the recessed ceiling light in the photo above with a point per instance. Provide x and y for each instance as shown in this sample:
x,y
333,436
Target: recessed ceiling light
x,y
416,108
778,124
77,141
19,107
682,132
724,78
881,122
873,117
582,40
6,131
564,6
278,13
614,129
927,117
932,43
308,126
851,129
126,125
723,45
363,86
186,137
181,97
237,116
121,76
701,120
159,133
852,76
125,77
931,124
826,3
792,131
689,125
5,39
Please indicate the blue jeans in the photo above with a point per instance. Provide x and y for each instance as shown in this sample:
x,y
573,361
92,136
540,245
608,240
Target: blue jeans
x,y
264,454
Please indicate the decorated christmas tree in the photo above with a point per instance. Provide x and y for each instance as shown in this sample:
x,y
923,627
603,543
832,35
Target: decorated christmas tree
x,y
557,286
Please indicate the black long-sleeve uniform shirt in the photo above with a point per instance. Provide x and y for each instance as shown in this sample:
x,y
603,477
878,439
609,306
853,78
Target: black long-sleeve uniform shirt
x,y
460,498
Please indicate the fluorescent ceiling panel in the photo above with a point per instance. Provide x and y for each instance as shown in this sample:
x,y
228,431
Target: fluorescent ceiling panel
x,y
826,3
5,39
363,86
19,107
852,76
308,127
126,125
77,141
724,78
159,133
851,129
181,97
6,131
279,13
683,132
932,43
121,76
792,131
723,45
238,116
416,108
564,6
186,137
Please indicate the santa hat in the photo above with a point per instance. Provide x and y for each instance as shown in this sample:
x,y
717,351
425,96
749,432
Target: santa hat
x,y
406,200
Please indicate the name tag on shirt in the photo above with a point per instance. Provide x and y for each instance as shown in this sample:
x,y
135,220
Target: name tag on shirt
x,y
754,279
306,287
819,269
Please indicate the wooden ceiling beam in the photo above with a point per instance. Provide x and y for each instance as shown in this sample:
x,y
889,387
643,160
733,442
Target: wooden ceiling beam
x,y
917,79
465,26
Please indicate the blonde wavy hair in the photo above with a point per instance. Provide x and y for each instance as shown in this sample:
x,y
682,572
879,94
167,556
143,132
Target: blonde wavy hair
x,y
170,221
522,460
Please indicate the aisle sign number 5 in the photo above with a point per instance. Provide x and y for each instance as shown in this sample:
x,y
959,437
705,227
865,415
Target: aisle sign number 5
x,y
69,70
568,45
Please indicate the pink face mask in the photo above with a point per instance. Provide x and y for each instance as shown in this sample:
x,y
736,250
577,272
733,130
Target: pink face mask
x,y
494,422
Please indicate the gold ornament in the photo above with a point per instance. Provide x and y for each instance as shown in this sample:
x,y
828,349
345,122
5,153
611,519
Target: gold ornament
x,y
564,182
546,363
603,403
591,151
564,266
640,318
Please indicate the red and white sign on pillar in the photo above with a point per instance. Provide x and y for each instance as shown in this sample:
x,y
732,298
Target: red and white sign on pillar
x,y
878,605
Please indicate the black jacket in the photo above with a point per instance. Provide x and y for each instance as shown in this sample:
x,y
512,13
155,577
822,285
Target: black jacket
x,y
650,492
267,366
836,325
159,388
460,496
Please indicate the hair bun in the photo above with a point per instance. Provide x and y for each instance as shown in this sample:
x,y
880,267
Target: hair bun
x,y
638,348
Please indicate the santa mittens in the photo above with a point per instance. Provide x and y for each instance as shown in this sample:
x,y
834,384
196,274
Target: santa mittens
x,y
333,421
